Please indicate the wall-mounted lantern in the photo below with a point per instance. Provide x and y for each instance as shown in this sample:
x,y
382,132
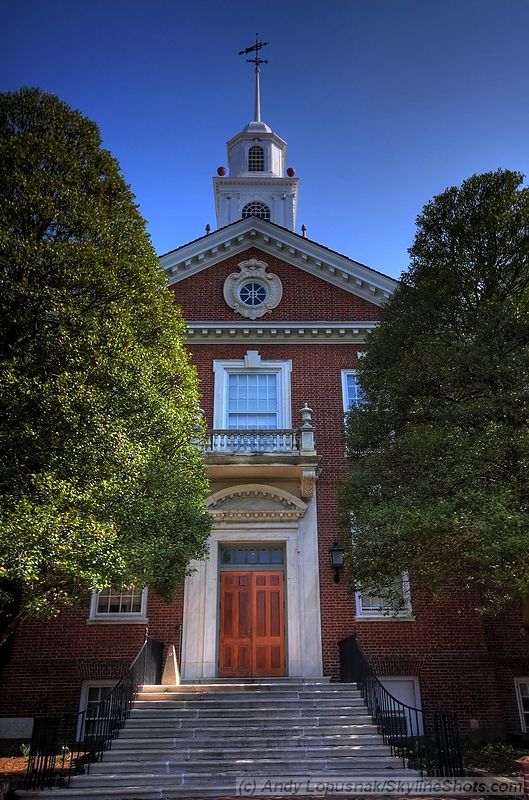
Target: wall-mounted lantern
x,y
336,554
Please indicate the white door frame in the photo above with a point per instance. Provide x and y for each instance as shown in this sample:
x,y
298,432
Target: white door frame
x,y
302,599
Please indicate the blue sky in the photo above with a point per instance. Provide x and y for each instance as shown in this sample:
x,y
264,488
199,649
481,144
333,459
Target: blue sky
x,y
384,103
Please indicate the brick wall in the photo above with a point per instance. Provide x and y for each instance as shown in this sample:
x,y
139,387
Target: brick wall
x,y
463,661
52,658
305,297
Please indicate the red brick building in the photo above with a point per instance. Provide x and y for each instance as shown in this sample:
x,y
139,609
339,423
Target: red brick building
x,y
276,324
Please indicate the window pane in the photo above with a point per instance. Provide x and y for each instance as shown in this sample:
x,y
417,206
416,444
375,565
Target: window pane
x,y
355,395
256,159
252,421
523,689
371,603
119,601
264,557
276,556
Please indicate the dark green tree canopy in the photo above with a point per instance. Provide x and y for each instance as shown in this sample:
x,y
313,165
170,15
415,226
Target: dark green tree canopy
x,y
439,476
101,480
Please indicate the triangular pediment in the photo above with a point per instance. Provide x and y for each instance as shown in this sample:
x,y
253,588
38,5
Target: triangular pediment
x,y
309,256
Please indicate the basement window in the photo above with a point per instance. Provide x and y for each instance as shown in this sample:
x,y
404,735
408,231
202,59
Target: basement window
x,y
92,695
522,693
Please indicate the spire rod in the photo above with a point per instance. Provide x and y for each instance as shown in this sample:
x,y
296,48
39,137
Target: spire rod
x,y
256,60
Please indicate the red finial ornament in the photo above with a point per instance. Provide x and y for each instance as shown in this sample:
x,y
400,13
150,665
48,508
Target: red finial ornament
x,y
291,172
304,231
221,171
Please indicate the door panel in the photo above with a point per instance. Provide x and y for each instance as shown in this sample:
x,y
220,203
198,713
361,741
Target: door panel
x,y
252,641
235,654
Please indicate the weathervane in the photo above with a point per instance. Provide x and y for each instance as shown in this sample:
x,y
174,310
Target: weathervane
x,y
257,60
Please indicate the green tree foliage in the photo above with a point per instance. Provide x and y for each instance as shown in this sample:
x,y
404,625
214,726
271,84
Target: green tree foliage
x,y
101,480
439,477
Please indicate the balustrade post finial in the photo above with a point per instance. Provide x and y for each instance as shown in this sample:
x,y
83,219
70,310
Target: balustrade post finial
x,y
306,431
306,416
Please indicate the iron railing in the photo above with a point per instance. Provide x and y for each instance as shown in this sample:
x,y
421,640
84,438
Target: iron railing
x,y
66,745
242,442
428,743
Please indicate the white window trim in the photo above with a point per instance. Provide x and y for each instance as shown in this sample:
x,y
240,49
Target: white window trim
x,y
405,614
252,363
123,617
517,682
345,373
83,702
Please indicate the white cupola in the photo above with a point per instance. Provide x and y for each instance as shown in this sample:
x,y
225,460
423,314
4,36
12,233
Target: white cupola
x,y
256,184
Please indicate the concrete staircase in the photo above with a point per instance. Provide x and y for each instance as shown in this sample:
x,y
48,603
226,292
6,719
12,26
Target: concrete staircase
x,y
195,741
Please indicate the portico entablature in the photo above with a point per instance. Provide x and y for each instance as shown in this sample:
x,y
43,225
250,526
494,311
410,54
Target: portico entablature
x,y
254,501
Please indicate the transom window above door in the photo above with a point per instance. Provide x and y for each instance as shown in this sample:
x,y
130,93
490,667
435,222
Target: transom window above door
x,y
248,556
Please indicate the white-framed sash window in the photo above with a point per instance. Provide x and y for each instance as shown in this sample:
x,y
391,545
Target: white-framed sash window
x,y
253,400
374,607
252,394
119,604
351,390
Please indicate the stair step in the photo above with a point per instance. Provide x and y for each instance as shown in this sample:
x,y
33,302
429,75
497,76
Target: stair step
x,y
194,787
244,732
170,702
184,742
225,775
156,753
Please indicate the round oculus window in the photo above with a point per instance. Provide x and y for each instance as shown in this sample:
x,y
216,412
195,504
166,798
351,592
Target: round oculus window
x,y
253,293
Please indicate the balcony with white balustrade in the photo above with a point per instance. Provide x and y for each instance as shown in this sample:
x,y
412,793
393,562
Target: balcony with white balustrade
x,y
265,454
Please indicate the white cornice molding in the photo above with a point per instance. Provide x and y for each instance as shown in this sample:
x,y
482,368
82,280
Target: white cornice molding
x,y
303,332
340,271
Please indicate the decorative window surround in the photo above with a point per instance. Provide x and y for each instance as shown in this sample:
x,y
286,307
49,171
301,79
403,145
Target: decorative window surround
x,y
252,364
253,272
374,608
99,615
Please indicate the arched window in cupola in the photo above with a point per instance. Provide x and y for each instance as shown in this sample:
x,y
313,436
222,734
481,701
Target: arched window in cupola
x,y
256,159
256,209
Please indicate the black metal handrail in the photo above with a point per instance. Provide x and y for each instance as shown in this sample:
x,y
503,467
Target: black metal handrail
x,y
428,743
66,745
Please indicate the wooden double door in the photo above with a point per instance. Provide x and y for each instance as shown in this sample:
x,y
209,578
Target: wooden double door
x,y
252,624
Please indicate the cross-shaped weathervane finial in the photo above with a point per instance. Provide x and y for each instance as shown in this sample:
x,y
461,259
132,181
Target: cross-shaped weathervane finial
x,y
255,49
257,46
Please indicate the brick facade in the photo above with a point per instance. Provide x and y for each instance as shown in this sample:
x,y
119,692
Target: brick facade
x,y
463,661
